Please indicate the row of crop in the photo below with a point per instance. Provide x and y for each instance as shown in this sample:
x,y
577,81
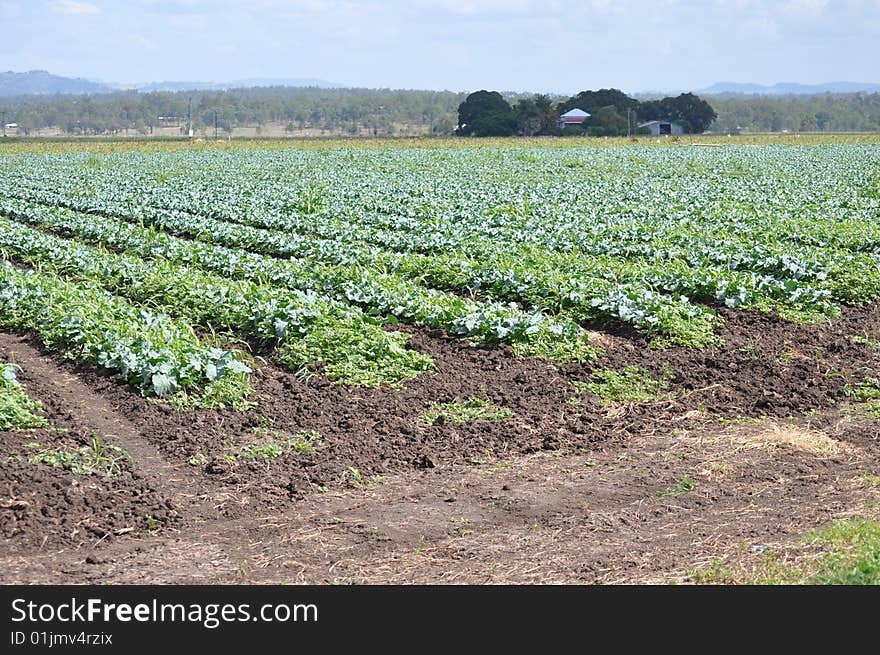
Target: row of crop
x,y
345,231
458,206
768,269
776,266
311,331
531,333
590,296
17,410
152,351
795,244
587,294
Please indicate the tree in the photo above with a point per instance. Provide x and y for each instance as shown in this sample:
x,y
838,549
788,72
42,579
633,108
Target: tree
x,y
494,123
692,112
607,122
535,115
697,112
528,117
809,123
546,113
485,113
28,123
378,111
592,101
443,126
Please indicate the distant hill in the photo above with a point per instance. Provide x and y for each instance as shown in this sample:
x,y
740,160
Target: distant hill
x,y
789,88
44,83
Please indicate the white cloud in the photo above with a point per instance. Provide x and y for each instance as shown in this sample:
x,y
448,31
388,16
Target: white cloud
x,y
75,8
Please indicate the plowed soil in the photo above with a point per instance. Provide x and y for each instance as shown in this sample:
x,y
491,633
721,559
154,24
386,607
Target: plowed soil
x,y
566,490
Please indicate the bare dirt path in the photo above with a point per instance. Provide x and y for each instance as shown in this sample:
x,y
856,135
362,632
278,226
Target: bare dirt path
x,y
66,396
532,519
77,409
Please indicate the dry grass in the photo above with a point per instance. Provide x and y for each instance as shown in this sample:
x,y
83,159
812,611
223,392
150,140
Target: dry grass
x,y
605,341
867,481
247,139
718,470
774,436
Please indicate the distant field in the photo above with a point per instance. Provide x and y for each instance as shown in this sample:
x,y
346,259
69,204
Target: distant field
x,y
47,145
266,131
692,318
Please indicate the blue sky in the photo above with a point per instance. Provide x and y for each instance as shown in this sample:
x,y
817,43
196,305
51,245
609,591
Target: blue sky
x,y
545,45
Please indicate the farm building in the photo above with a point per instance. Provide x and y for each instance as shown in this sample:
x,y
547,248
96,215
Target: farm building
x,y
659,128
573,117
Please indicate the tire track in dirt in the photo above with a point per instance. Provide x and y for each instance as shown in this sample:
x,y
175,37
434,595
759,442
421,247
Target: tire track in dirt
x,y
68,400
198,501
78,404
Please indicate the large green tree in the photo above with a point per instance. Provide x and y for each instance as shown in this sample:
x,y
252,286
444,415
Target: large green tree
x,y
535,115
528,119
592,101
687,109
485,113
547,113
494,123
606,121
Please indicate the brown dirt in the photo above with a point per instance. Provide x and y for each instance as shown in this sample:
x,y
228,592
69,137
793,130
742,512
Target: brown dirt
x,y
561,492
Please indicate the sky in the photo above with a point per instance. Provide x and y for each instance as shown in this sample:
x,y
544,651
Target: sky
x,y
461,45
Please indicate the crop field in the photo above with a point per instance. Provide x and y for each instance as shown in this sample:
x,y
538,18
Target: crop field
x,y
436,364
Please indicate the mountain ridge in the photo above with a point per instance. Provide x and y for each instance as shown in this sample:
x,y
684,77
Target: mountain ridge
x,y
40,82
789,88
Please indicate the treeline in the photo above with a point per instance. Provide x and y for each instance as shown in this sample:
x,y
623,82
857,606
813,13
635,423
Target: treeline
x,y
611,113
382,112
376,111
828,112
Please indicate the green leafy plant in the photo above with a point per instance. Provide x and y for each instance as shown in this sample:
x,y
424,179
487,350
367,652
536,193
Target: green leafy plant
x,y
632,384
851,553
683,486
17,411
304,441
353,477
868,481
465,411
866,341
93,459
716,572
867,389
